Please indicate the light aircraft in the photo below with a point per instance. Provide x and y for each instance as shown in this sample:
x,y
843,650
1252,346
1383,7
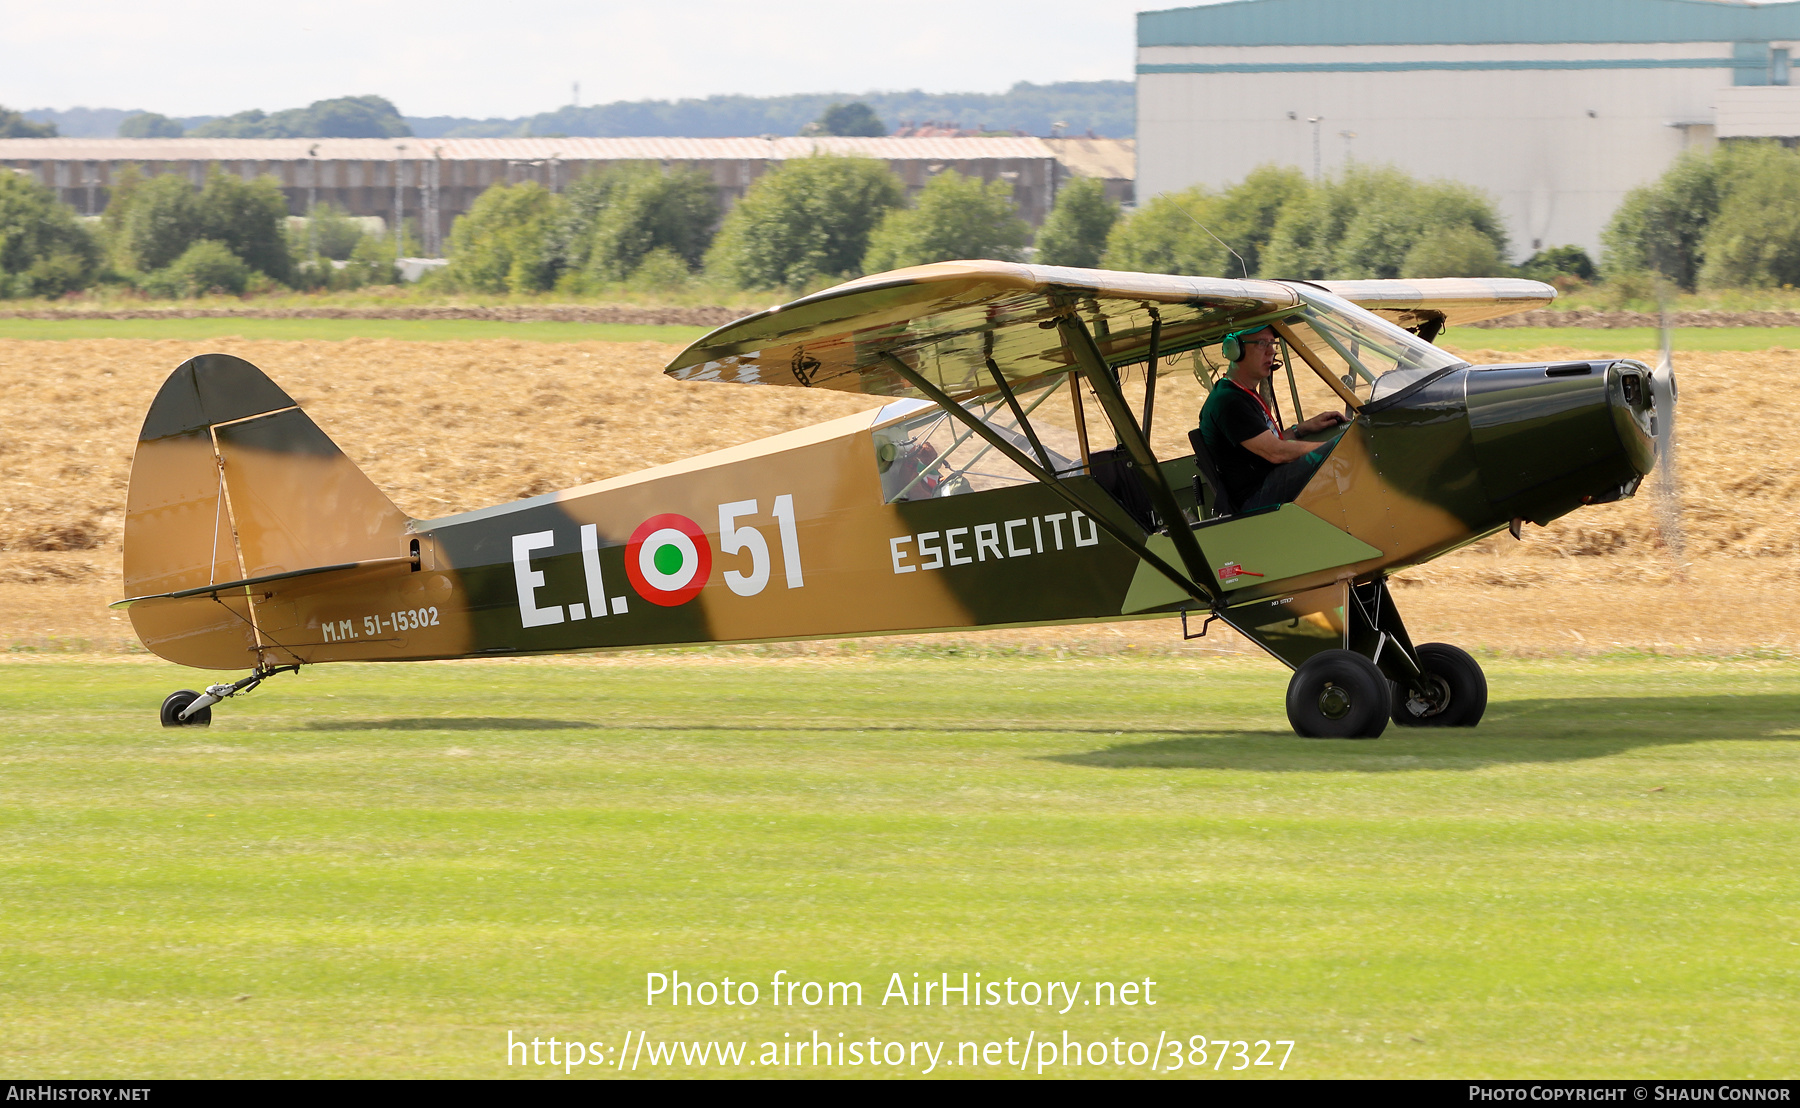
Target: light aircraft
x,y
1007,480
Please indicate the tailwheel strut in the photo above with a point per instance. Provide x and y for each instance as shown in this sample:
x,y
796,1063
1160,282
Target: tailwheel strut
x,y
187,708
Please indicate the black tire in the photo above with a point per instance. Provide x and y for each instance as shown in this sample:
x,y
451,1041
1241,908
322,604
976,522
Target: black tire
x,y
1462,690
181,698
1339,694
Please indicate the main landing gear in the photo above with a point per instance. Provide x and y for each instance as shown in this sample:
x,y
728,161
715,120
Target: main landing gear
x,y
1339,694
187,708
1356,668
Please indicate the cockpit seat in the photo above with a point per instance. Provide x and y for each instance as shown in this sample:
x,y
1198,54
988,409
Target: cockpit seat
x,y
1207,473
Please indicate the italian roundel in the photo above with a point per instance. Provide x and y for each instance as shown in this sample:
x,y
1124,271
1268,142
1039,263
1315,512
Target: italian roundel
x,y
668,560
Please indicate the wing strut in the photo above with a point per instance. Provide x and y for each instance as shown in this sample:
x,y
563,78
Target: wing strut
x,y
1106,386
1024,461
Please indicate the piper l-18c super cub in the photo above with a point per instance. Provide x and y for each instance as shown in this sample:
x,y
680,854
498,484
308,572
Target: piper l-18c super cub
x,y
1008,481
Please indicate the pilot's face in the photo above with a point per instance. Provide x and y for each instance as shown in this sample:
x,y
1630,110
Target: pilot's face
x,y
1260,358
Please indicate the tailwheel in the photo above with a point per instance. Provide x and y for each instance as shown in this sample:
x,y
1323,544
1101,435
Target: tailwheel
x,y
177,702
1455,693
1339,694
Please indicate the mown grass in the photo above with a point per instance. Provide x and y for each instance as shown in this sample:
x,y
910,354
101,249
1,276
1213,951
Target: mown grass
x,y
337,330
380,871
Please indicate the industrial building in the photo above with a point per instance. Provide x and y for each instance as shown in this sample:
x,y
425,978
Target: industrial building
x,y
432,181
1555,108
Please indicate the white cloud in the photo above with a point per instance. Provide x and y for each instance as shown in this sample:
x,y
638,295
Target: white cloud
x,y
463,57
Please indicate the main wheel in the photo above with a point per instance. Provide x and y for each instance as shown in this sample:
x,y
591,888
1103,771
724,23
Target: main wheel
x,y
1339,694
1459,690
181,698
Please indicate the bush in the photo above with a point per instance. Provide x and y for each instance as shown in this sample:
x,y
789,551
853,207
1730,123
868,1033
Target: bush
x,y
661,270
646,211
250,218
1560,262
810,218
371,263
952,217
205,267
1075,232
500,244
44,248
331,232
156,220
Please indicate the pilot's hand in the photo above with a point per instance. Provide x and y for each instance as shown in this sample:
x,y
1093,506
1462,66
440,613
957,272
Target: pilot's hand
x,y
1321,422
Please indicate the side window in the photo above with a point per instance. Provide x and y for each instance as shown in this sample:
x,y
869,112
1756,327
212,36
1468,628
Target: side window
x,y
931,455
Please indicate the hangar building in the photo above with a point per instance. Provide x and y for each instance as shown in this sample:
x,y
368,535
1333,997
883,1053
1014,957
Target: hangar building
x,y
1556,108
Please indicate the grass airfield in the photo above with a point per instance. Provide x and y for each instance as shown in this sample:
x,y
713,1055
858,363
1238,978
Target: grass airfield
x,y
380,871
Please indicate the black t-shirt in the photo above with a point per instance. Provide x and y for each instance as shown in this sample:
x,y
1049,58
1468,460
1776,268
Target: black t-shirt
x,y
1230,417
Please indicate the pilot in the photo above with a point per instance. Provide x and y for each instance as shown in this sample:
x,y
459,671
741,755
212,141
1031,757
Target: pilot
x,y
1258,463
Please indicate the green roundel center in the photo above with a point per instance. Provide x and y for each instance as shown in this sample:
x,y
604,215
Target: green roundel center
x,y
667,558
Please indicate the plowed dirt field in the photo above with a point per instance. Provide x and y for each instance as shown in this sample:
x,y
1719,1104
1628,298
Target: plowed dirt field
x,y
446,427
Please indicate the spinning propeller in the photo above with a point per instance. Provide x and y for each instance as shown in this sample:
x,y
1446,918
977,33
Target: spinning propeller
x,y
1668,486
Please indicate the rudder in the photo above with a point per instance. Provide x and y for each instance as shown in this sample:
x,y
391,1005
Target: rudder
x,y
231,480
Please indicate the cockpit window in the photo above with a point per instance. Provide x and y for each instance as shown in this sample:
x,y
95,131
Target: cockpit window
x,y
930,454
1372,357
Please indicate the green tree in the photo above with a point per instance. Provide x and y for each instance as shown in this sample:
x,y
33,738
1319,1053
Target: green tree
x,y
332,231
44,248
1367,221
646,211
250,218
157,220
204,267
1075,232
810,218
1245,214
1560,261
344,117
856,119
1661,227
500,245
150,125
952,217
14,125
1754,239
1166,236
1458,250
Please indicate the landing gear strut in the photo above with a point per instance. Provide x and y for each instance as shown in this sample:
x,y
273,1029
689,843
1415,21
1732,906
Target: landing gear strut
x,y
187,708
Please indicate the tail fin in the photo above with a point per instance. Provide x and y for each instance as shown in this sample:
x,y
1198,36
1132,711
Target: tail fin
x,y
232,481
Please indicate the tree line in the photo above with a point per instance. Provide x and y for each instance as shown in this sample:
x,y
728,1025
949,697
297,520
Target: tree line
x,y
1716,219
163,236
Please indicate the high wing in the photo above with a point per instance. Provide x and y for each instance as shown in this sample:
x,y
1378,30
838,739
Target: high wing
x,y
959,324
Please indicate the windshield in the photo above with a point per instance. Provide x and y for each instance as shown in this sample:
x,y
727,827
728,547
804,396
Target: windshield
x,y
1374,358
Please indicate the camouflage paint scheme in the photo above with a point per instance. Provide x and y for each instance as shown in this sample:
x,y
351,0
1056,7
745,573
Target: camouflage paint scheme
x,y
252,541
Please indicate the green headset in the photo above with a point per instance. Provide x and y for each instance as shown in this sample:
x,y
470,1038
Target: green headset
x,y
1232,345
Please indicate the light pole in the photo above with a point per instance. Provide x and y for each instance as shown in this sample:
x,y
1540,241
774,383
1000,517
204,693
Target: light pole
x,y
399,200
312,202
1348,137
1315,120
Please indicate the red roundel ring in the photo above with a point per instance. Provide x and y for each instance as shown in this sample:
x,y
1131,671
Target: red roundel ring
x,y
668,559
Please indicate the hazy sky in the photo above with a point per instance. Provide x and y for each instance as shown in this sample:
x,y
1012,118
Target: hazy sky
x,y
467,58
